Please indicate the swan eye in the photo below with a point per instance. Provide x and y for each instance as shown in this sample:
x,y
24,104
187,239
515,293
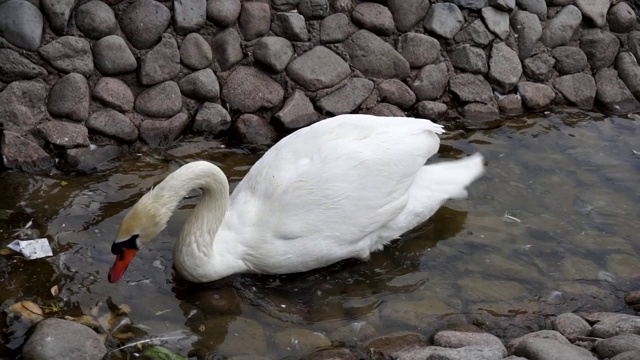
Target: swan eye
x,y
130,243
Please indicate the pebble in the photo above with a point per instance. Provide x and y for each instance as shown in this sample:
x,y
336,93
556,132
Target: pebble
x,y
335,28
541,334
480,112
114,93
397,93
610,347
318,68
601,47
469,58
69,54
395,344
444,19
13,67
594,11
89,159
228,48
471,88
539,67
629,72
386,109
273,52
373,57
431,110
474,34
21,24
536,7
528,30
616,324
162,100
248,89
613,95
290,26
64,134
23,153
621,18
195,52
374,17
559,30
297,111
418,49
69,98
254,130
497,21
536,348
161,63
510,104
62,339
255,20
314,9
189,15
223,12
347,98
431,82
113,57
200,85
569,59
163,133
579,89
211,118
144,22
407,13
111,123
536,97
505,68
23,105
96,20
58,12
571,325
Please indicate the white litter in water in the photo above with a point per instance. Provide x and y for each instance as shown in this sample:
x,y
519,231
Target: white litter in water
x,y
509,217
635,152
32,249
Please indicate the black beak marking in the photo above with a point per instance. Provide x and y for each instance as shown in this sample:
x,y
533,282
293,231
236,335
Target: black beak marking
x,y
130,243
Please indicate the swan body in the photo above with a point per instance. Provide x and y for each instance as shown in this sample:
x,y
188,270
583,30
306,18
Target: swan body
x,y
340,188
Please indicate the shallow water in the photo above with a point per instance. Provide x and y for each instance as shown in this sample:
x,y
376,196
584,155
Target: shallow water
x,y
552,227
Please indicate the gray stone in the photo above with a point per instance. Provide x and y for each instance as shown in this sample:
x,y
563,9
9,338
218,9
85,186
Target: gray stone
x,y
21,153
419,49
504,68
385,109
536,97
69,98
335,353
201,85
471,4
579,89
559,30
504,5
249,89
497,21
510,104
161,63
223,12
162,100
211,118
469,58
69,54
255,20
15,67
633,41
408,13
616,324
274,52
162,133
114,93
610,347
374,17
542,334
621,18
189,15
539,67
228,48
444,19
471,88
195,52
144,22
528,30
335,28
627,355
64,134
62,339
601,47
347,98
431,82
569,59
314,9
431,110
254,130
318,68
394,344
89,159
629,72
96,20
21,24
594,11
475,34
58,12
290,26
113,57
549,349
297,111
537,7
569,324
23,105
397,93
613,97
284,5
111,123
374,57
481,112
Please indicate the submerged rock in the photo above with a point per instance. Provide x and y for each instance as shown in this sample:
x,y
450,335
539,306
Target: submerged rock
x,y
62,339
22,153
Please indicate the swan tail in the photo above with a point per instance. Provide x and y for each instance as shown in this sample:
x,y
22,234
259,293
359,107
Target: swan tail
x,y
450,179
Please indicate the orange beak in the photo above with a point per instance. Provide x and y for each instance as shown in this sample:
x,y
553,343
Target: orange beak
x,y
120,266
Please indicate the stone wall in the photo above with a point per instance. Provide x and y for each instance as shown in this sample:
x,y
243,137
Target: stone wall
x,y
82,80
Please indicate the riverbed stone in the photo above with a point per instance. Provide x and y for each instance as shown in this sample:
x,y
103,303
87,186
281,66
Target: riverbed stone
x,y
610,347
335,28
621,18
510,104
528,30
23,105
249,89
144,22
314,9
255,20
627,355
195,52
539,67
601,47
332,354
548,349
569,59
161,63
254,130
569,324
274,52
64,134
114,93
497,21
290,26
13,67
459,339
536,97
594,11
374,17
162,133
579,89
616,324
396,92
201,85
431,82
21,24
629,72
471,88
69,98
162,100
318,68
444,19
541,334
88,159
374,57
62,339
347,98
96,20
284,5
113,57
189,15
396,343
223,12
505,68
418,49
58,12
228,48
113,124
211,118
407,13
469,58
536,7
431,110
23,153
474,34
559,30
297,111
69,54
613,95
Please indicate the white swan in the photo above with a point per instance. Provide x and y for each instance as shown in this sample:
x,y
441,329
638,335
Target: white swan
x,y
340,188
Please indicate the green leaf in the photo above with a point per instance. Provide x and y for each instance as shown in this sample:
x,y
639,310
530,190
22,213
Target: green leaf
x,y
156,352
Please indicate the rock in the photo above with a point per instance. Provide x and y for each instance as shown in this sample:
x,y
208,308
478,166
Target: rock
x,y
212,118
273,52
431,110
374,57
374,17
195,52
114,93
614,97
616,324
21,24
458,339
64,134
254,130
228,49
385,109
335,28
397,93
201,85
601,47
23,105
144,22
113,57
504,5
89,158
559,30
471,88
62,339
621,18
58,12
113,124
223,12
475,34
539,67
497,21
161,63
419,49
634,43
396,343
96,20
568,324
249,89
347,98
162,133
528,30
536,97
469,58
297,111
548,349
69,54
594,11
431,82
69,98
610,347
510,104
633,297
290,26
537,7
579,89
314,9
318,68
332,354
444,19
407,13
22,154
569,59
284,5
542,334
189,15
255,20
504,68
471,4
15,67
162,100
629,72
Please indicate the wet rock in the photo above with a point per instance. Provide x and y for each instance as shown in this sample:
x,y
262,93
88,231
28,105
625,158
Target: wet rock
x,y
290,26
510,104
318,68
90,158
458,339
69,98
21,153
471,88
195,52
613,95
189,15
23,104
254,130
297,111
144,22
431,82
559,30
223,12
162,100
594,11
621,18
347,98
579,89
274,52
69,54
162,133
601,47
228,49
542,334
504,68
444,19
475,34
397,93
96,20
632,298
548,349
536,97
201,85
374,17
335,28
536,7
314,9
113,124
414,314
385,109
64,134
58,12
396,343
62,339
114,93
528,30
249,89
255,20
21,24
610,347
616,324
15,67
629,72
162,63
469,58
539,67
407,13
568,324
374,57
480,112
431,110
212,118
419,49
569,59
113,57
332,354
